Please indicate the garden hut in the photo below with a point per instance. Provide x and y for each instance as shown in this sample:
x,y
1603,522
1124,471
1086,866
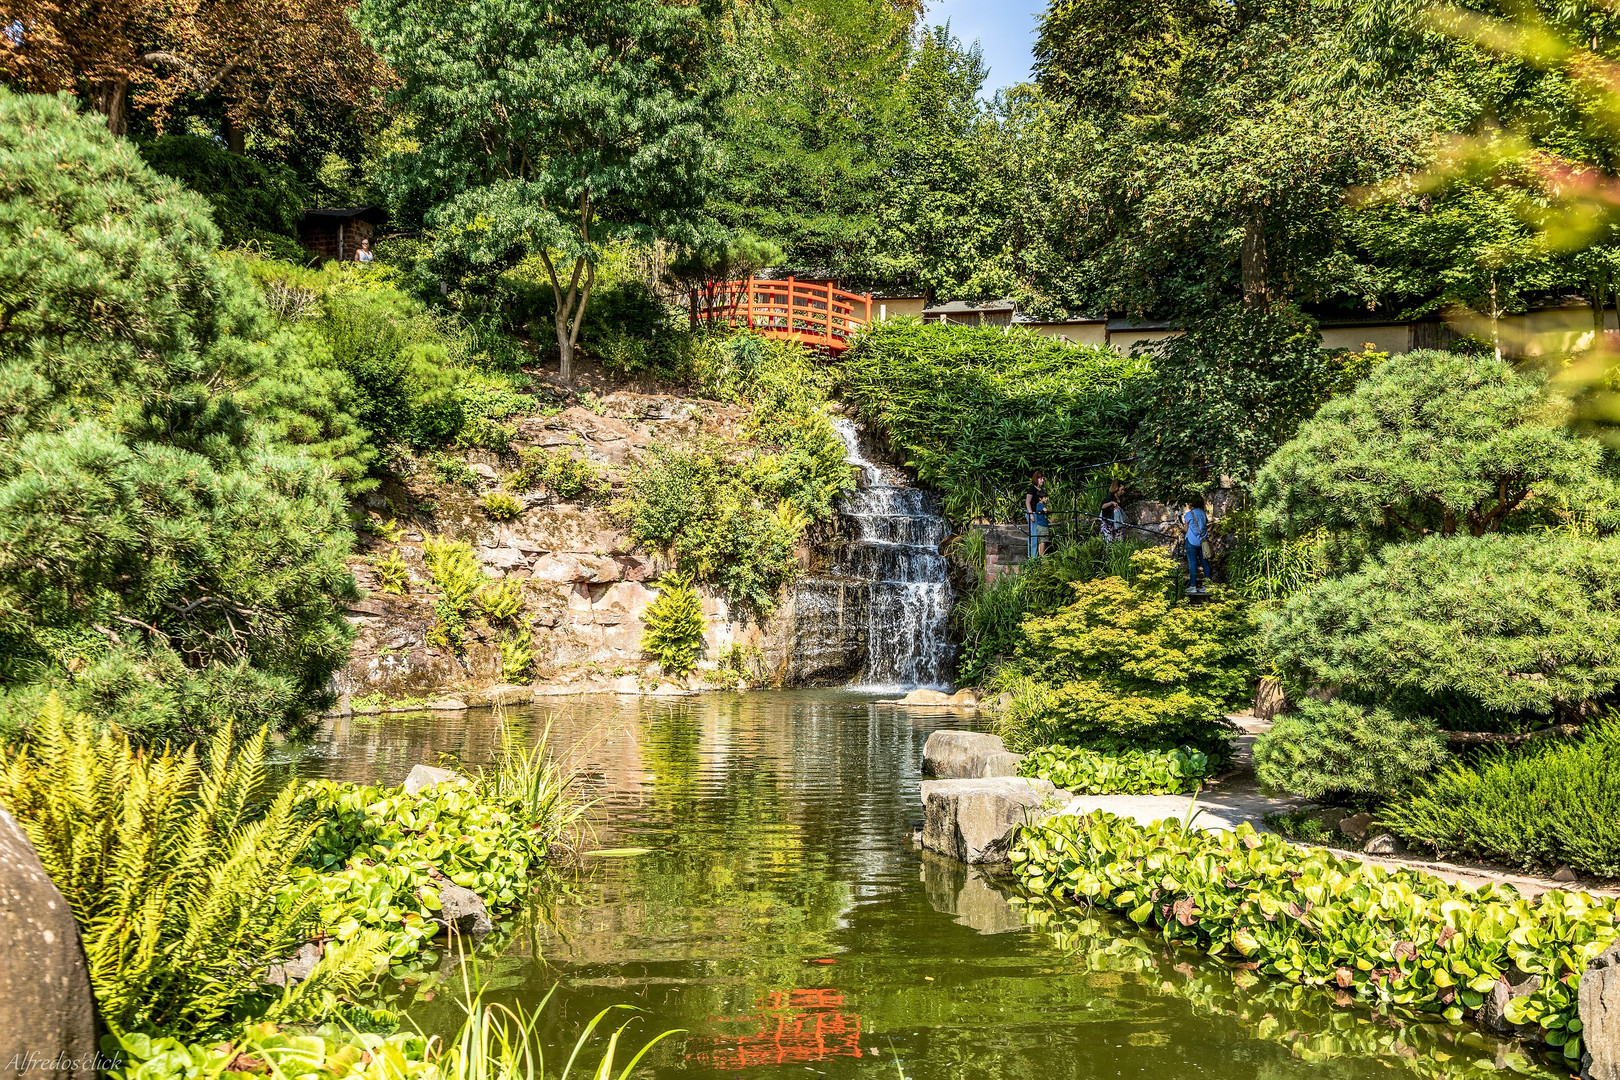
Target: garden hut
x,y
973,312
334,232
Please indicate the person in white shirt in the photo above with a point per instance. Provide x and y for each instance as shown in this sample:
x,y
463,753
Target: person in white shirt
x,y
362,254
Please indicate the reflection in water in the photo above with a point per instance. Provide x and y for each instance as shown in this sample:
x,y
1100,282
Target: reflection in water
x,y
783,920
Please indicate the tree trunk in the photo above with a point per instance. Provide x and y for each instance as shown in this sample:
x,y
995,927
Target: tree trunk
x,y
1255,293
565,349
235,137
112,101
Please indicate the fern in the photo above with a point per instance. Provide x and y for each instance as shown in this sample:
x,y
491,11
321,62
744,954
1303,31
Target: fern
x,y
674,625
517,655
502,601
502,506
392,574
177,871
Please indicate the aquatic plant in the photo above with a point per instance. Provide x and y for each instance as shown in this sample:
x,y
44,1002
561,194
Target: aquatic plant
x,y
1128,772
1400,938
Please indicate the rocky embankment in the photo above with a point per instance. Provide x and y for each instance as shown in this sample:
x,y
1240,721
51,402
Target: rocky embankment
x,y
586,586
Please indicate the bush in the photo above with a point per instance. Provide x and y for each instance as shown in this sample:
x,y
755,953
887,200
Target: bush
x,y
1122,667
700,509
1338,749
559,471
501,506
249,200
180,873
402,372
1401,939
674,625
975,409
167,561
1519,626
1552,803
1432,443
1131,772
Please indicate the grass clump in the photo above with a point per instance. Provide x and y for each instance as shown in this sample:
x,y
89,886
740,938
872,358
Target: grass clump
x,y
502,506
559,471
1545,805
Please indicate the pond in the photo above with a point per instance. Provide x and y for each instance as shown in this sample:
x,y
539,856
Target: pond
x,y
782,918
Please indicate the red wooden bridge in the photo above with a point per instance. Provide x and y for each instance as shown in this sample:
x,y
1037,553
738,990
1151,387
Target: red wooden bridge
x,y
817,314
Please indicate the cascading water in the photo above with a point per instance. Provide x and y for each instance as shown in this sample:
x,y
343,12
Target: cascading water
x,y
874,612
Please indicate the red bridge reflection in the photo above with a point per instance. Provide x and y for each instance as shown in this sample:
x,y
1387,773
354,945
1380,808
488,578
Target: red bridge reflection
x,y
790,1026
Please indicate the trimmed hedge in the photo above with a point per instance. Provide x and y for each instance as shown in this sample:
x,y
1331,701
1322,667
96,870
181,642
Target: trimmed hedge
x,y
1398,938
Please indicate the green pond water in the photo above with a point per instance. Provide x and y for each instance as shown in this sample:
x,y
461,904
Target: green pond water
x,y
783,919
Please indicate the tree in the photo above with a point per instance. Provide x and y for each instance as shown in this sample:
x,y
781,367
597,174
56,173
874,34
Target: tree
x,y
701,269
1225,394
1428,444
164,561
551,128
259,59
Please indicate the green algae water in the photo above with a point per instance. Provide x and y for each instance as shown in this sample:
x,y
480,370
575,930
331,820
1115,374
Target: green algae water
x,y
781,918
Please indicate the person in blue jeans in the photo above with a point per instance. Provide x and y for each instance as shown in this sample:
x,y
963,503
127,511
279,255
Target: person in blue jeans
x,y
1195,528
1040,527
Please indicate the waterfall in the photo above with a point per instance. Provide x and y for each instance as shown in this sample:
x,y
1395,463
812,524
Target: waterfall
x,y
874,612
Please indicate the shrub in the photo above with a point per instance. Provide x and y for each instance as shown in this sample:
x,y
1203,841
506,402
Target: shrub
x,y
517,655
1432,442
393,575
699,508
400,364
1522,626
1339,749
1123,667
1131,772
973,409
166,560
180,873
559,471
502,506
1402,939
250,200
674,625
1552,803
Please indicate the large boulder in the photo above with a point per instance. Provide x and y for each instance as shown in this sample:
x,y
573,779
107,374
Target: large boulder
x,y
974,820
45,997
463,910
966,755
423,777
1600,1016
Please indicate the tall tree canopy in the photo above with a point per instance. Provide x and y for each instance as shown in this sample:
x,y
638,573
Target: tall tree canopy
x,y
552,127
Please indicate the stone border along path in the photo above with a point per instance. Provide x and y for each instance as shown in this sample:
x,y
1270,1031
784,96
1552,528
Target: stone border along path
x,y
1233,798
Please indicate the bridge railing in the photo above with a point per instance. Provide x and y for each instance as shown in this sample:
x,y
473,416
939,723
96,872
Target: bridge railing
x,y
809,312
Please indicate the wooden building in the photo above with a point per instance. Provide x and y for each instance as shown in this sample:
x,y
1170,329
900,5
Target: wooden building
x,y
334,233
972,312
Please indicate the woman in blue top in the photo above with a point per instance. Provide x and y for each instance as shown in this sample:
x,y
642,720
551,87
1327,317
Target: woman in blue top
x,y
1040,526
1195,527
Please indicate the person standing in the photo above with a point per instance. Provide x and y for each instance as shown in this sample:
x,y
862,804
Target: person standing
x,y
1195,532
1040,527
362,254
1113,512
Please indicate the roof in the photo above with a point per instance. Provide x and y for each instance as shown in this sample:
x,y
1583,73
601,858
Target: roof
x,y
968,307
1079,320
333,215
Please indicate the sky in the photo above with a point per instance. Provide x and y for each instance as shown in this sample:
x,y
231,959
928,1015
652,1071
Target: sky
x,y
1005,30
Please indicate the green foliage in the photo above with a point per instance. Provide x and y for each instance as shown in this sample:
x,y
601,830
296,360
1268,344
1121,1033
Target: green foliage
x,y
701,510
180,872
1403,939
451,468
503,600
1338,749
250,201
1131,772
517,655
1224,395
392,574
974,410
632,332
990,619
1521,626
1549,804
674,625
560,472
502,506
399,365
1432,443
1122,666
165,559
457,575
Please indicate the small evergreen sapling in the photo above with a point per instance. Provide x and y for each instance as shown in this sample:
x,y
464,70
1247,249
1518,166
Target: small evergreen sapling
x,y
674,625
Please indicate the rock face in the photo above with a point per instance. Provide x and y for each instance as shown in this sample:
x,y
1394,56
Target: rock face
x,y
1600,1016
45,998
973,820
462,910
423,777
963,755
295,968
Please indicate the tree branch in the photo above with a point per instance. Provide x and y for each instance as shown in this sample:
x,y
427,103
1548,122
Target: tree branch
x,y
1496,738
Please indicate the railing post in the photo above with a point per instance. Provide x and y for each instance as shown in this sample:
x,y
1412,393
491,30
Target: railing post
x,y
790,305
750,301
829,316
